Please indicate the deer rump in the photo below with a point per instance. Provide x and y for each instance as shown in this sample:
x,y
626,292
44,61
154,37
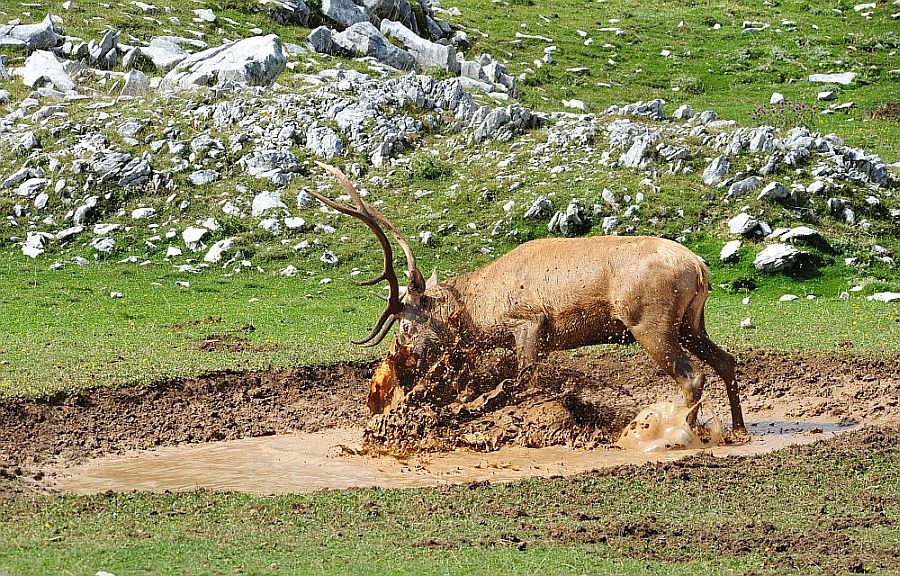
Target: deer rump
x,y
553,294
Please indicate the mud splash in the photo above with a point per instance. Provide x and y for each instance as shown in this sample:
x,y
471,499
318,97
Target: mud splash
x,y
37,435
330,460
665,426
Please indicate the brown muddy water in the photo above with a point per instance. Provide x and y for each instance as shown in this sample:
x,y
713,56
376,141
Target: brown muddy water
x,y
308,462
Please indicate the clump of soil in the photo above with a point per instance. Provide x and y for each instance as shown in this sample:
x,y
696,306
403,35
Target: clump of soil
x,y
890,111
478,400
228,342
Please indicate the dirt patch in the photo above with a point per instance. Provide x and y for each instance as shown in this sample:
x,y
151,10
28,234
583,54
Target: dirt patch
x,y
890,111
221,406
208,321
228,342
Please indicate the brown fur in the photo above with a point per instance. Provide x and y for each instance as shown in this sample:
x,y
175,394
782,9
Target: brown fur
x,y
560,293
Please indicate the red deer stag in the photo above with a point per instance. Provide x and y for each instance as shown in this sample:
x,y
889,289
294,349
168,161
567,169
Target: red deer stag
x,y
557,294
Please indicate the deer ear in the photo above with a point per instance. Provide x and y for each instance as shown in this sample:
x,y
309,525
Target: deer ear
x,y
432,280
416,283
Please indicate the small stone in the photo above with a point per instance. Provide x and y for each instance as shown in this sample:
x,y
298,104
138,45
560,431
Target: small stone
x,y
289,271
576,105
116,295
788,298
747,323
218,250
884,297
265,201
844,78
294,223
203,177
776,98
730,251
742,224
329,257
205,14
143,213
716,171
826,95
743,187
137,84
192,237
270,225
775,191
539,209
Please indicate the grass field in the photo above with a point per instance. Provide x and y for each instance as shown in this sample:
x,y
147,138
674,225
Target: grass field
x,y
62,331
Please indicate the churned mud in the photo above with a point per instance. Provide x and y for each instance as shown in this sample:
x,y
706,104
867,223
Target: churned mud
x,y
799,396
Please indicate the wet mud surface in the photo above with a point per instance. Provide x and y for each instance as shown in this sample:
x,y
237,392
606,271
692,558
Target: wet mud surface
x,y
70,428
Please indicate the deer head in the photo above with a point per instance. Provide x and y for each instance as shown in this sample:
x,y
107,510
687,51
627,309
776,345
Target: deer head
x,y
422,324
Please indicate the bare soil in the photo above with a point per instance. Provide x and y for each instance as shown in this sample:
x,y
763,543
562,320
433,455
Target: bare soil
x,y
225,406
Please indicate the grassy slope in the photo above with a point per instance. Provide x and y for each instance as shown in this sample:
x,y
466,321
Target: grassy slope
x,y
723,70
692,518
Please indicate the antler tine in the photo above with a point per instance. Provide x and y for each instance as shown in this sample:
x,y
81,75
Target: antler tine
x,y
378,332
376,215
388,274
404,245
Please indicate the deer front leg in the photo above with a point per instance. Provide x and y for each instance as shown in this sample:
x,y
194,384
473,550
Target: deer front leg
x,y
527,335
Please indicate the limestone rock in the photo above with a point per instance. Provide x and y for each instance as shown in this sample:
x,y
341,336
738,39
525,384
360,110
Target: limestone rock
x,y
730,251
265,201
344,13
427,54
844,78
364,39
743,224
777,258
217,250
42,36
256,61
539,209
44,68
323,141
137,84
287,11
716,171
164,54
320,40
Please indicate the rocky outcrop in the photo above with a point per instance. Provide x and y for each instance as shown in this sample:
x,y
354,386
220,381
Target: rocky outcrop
x,y
364,39
255,61
41,36
427,54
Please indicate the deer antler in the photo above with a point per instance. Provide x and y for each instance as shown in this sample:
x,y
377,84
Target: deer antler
x,y
364,212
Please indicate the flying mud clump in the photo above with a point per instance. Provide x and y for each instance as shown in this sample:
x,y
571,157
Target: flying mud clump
x,y
475,398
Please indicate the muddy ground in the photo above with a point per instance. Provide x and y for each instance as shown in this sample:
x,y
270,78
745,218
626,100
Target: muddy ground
x,y
225,406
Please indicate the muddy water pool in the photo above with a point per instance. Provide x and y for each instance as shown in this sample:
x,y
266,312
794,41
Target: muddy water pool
x,y
298,463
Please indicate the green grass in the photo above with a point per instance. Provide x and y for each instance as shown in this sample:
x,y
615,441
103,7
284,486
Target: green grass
x,y
692,518
62,331
722,70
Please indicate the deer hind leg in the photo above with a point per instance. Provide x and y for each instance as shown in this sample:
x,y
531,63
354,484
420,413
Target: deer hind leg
x,y
668,354
699,343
